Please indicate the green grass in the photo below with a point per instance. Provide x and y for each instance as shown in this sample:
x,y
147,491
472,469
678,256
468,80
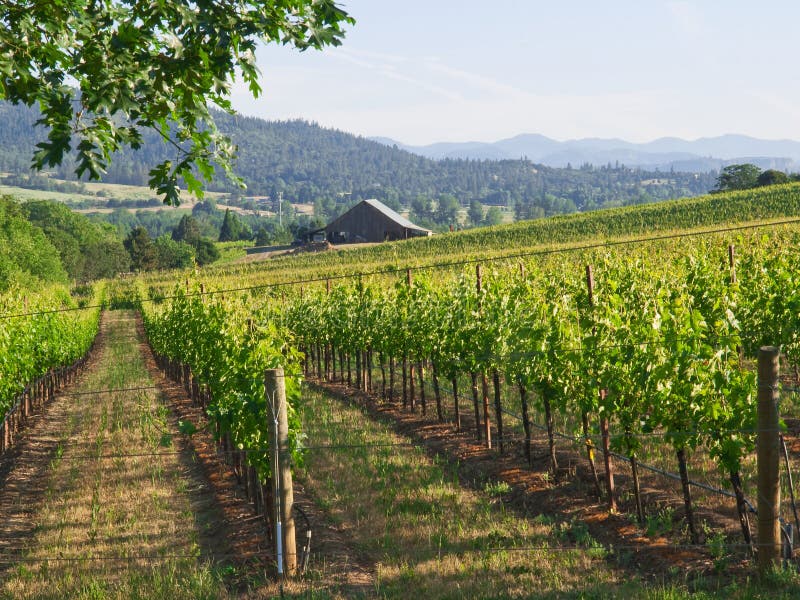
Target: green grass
x,y
430,537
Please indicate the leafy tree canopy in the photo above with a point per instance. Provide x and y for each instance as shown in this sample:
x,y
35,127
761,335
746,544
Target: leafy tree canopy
x,y
145,65
772,177
27,257
737,177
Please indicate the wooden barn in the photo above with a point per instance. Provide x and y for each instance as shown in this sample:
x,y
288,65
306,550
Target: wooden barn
x,y
369,221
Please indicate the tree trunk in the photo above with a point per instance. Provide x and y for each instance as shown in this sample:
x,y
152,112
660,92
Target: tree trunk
x,y
526,420
368,381
612,496
391,378
551,438
383,376
422,398
476,403
437,393
412,392
498,409
687,495
637,492
487,421
456,408
590,453
359,369
741,508
405,381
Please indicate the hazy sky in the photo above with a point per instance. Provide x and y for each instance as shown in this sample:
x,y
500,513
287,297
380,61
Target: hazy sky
x,y
461,70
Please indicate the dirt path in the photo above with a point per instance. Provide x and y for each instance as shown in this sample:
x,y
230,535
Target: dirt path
x,y
104,498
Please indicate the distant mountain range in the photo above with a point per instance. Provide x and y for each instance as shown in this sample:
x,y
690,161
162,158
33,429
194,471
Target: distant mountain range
x,y
305,163
669,153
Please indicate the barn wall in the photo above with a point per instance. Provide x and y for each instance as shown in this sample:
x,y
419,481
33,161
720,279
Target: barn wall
x,y
364,223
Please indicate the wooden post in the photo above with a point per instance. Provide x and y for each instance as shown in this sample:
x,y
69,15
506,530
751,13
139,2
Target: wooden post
x,y
732,262
286,550
768,455
409,278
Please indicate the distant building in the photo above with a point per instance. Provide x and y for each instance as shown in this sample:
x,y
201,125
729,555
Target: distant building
x,y
368,221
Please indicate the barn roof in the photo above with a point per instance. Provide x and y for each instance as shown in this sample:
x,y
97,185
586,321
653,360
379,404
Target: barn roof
x,y
397,218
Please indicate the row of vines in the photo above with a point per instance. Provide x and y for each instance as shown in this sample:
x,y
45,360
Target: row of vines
x,y
40,332
655,340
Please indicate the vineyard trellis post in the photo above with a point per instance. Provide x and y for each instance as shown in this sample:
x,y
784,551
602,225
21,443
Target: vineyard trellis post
x,y
768,452
285,544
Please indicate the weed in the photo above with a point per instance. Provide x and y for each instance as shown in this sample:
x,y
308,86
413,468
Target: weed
x,y
498,488
660,523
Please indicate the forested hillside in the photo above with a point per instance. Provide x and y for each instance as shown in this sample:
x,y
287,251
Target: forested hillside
x,y
307,163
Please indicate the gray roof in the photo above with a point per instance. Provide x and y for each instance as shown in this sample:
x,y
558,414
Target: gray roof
x,y
397,218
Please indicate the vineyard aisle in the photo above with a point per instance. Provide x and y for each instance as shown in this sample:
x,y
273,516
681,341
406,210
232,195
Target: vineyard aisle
x,y
103,498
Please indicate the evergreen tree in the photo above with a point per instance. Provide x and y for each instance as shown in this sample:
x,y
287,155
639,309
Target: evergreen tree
x,y
187,230
142,250
230,229
475,213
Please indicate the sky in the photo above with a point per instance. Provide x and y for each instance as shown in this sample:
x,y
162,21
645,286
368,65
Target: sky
x,y
430,71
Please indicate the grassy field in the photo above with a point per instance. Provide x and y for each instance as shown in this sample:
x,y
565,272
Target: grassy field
x,y
107,191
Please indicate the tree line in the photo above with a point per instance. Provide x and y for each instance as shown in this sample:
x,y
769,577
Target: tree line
x,y
747,176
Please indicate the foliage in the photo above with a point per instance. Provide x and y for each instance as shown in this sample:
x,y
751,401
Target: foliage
x,y
205,252
233,229
772,177
173,255
187,230
32,344
142,65
738,177
144,256
27,257
229,344
87,250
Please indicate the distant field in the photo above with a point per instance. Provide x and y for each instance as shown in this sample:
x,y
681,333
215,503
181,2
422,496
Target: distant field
x,y
109,190
25,194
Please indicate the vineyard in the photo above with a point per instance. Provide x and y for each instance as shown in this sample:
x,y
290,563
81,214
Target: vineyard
x,y
646,355
736,209
617,375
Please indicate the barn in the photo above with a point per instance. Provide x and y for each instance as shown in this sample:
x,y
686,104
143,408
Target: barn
x,y
369,221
